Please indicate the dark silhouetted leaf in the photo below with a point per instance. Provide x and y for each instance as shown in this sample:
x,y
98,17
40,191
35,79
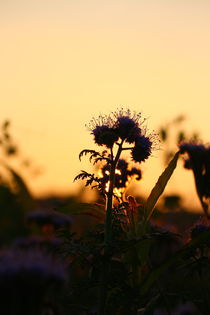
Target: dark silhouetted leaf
x,y
22,190
85,152
83,175
160,186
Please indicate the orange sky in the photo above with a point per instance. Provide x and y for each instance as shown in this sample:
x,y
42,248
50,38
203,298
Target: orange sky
x,y
64,61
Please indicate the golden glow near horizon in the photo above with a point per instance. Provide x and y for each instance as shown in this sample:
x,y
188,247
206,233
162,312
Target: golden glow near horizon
x,y
63,62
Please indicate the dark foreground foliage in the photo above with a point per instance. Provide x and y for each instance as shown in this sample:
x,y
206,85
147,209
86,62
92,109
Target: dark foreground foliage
x,y
118,256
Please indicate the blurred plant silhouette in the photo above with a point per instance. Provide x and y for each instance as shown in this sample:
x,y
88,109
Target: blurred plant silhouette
x,y
172,133
15,197
197,158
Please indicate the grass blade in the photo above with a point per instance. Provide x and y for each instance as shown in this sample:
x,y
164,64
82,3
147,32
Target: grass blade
x,y
159,187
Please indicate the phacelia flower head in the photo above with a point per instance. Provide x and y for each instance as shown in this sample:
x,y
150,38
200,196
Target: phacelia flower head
x,y
142,149
27,278
104,135
121,123
198,159
196,153
127,124
103,131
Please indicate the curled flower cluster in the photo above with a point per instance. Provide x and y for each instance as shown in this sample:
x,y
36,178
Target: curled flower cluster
x,y
122,176
142,149
123,126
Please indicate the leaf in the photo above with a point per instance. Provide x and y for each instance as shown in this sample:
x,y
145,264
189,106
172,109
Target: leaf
x,y
85,152
159,187
181,254
94,210
163,134
83,175
96,156
23,192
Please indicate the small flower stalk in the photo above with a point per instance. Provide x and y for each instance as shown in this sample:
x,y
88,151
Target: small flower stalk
x,y
122,130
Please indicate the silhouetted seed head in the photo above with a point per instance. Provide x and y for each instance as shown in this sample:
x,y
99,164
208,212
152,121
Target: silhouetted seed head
x,y
142,149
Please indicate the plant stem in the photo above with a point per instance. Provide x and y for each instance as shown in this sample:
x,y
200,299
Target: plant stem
x,y
109,204
108,232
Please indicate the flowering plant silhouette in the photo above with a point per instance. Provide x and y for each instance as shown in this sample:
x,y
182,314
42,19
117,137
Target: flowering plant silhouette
x,y
133,266
121,130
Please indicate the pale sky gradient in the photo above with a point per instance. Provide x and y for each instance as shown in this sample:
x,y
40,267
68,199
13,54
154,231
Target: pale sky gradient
x,y
64,61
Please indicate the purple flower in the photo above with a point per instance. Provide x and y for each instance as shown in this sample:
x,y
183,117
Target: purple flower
x,y
142,149
121,123
54,218
127,128
26,278
198,159
195,152
104,135
36,267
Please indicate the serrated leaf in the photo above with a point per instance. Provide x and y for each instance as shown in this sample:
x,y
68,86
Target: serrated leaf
x,y
159,187
82,175
85,152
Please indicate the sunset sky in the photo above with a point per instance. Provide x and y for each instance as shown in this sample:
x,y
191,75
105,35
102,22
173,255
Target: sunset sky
x,y
63,62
